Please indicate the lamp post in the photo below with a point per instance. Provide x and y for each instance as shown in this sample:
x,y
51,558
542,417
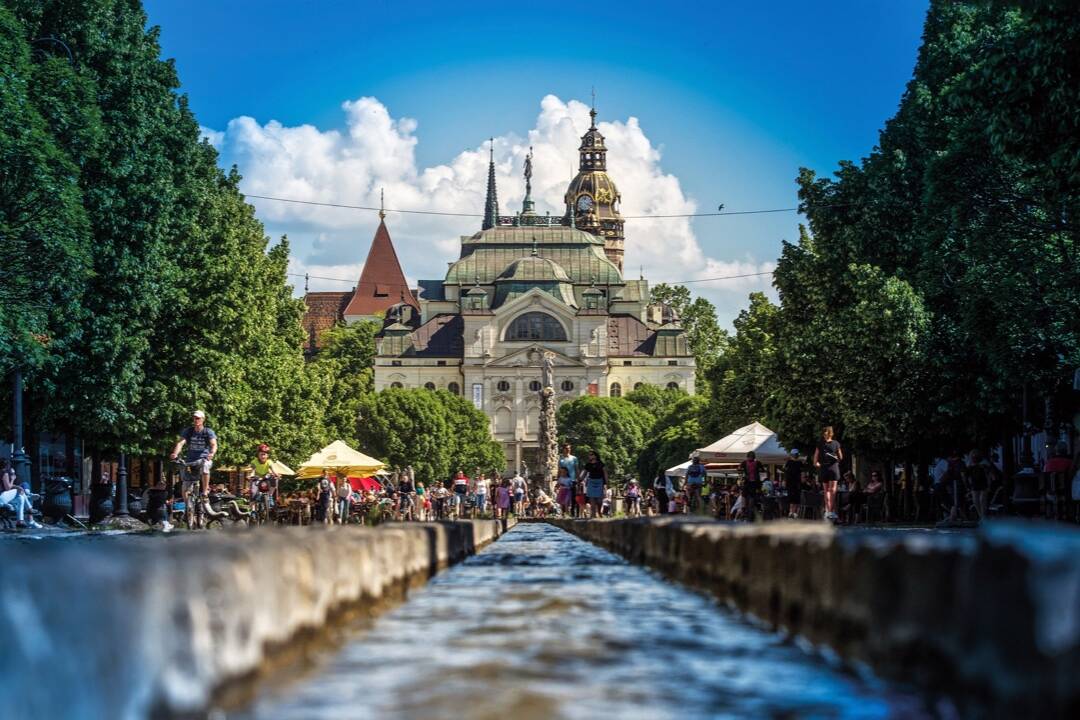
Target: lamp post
x,y
120,507
19,461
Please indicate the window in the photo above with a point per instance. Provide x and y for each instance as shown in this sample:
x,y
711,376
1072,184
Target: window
x,y
429,386
382,290
503,386
535,386
672,362
567,386
395,363
616,390
637,386
627,362
440,363
454,388
536,326
673,386
396,384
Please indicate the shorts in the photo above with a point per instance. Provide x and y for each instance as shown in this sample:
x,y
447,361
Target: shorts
x,y
519,496
829,473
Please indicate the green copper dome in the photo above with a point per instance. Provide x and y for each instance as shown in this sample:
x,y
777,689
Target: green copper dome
x,y
533,269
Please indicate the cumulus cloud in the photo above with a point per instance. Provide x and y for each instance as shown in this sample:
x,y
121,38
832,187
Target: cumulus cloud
x,y
376,152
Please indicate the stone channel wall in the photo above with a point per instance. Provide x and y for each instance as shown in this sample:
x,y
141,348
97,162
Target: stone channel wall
x,y
150,626
992,616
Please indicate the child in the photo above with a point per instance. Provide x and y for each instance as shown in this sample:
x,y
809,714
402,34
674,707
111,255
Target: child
x,y
502,500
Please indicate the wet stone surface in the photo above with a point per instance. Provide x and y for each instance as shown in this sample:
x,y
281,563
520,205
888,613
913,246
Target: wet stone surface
x,y
543,625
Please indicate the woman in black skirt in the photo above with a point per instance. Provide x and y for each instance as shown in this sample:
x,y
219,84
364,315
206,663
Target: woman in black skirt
x,y
827,458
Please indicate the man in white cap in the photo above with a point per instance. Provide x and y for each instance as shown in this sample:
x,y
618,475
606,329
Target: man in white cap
x,y
201,448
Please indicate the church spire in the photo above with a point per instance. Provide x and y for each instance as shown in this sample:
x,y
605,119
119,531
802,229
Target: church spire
x,y
491,205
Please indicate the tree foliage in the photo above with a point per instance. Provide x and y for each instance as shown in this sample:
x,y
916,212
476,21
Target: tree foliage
x,y
616,428
433,430
707,340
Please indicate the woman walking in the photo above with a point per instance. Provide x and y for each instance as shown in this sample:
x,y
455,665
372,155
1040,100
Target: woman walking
x,y
596,481
502,500
827,458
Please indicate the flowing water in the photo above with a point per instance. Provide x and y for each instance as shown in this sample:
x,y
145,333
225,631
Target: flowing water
x,y
541,624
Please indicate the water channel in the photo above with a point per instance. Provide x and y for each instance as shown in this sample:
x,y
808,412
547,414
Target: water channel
x,y
543,625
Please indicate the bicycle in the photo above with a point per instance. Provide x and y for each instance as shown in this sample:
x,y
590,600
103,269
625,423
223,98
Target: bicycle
x,y
261,503
194,512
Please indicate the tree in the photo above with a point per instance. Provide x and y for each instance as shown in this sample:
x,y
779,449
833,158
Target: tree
x,y
432,430
744,377
614,427
44,233
655,400
345,360
676,433
704,335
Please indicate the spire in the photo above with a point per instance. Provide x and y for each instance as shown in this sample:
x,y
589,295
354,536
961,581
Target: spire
x,y
527,205
491,205
592,110
380,280
382,205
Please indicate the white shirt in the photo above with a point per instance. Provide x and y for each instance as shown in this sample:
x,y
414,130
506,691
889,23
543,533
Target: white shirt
x,y
481,486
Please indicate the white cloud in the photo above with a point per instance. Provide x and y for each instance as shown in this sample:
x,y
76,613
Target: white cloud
x,y
377,151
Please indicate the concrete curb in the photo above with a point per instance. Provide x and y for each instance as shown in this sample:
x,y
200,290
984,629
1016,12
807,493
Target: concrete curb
x,y
994,614
137,626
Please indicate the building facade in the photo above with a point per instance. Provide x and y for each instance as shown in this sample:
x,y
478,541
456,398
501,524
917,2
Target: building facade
x,y
526,284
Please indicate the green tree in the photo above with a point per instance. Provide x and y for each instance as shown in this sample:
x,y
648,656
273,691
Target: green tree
x,y
704,335
432,430
744,378
614,427
44,232
345,360
676,433
655,400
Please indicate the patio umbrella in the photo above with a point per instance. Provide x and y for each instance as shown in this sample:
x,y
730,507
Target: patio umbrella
x,y
281,468
342,460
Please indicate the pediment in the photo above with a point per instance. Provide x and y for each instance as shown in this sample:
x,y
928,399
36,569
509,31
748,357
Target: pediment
x,y
530,357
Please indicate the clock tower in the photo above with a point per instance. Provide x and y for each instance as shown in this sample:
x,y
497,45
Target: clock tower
x,y
592,199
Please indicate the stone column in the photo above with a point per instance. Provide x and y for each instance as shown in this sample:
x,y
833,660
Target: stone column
x,y
549,452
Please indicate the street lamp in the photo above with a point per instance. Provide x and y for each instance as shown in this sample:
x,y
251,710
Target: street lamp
x,y
19,460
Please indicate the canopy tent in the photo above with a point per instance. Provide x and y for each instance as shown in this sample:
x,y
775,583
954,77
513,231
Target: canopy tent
x,y
340,459
733,448
711,469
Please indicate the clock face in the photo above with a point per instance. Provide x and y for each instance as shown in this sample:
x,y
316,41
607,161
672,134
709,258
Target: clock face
x,y
584,203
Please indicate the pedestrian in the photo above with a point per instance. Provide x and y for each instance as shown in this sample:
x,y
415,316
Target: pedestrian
x,y
502,499
344,500
596,480
322,499
569,461
662,490
481,489
793,470
750,469
633,499
695,479
519,487
565,495
827,458
16,497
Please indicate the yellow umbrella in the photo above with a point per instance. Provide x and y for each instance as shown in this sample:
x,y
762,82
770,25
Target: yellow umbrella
x,y
281,468
340,459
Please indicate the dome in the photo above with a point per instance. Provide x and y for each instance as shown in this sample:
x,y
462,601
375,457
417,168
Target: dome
x,y
533,269
600,188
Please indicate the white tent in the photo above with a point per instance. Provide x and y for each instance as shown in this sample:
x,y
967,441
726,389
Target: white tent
x,y
680,471
734,447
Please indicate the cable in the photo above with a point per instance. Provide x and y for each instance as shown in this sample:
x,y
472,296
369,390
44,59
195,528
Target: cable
x,y
666,282
479,215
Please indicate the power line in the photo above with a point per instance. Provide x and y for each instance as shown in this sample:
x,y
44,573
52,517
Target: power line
x,y
721,213
668,282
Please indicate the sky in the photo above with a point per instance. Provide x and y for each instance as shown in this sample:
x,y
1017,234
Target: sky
x,y
703,104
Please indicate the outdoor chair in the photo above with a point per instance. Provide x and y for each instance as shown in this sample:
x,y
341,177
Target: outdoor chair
x,y
810,505
873,510
1025,497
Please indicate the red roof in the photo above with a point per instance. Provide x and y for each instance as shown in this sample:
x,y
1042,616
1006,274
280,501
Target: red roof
x,y
382,283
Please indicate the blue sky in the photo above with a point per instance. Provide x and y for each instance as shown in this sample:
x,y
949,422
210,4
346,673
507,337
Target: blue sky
x,y
734,97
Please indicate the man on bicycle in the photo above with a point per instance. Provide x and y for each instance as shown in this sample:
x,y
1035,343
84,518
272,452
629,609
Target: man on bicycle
x,y
201,447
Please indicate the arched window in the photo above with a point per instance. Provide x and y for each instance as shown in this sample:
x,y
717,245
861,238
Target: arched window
x,y
536,326
567,385
637,386
503,386
673,386
616,390
535,386
396,385
454,388
429,386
